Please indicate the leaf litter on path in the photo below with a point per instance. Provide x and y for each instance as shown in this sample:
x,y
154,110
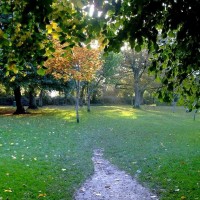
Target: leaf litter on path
x,y
109,183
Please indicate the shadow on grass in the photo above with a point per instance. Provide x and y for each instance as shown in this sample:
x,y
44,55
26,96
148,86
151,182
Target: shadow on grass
x,y
59,112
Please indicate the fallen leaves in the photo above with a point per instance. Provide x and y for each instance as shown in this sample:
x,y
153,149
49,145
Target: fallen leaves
x,y
42,195
183,197
8,190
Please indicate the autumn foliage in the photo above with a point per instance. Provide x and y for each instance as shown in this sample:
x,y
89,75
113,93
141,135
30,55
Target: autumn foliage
x,y
78,63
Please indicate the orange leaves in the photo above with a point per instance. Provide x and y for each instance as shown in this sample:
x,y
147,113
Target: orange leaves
x,y
88,62
80,63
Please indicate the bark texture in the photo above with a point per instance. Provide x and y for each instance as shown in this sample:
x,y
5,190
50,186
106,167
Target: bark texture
x,y
77,101
20,108
32,99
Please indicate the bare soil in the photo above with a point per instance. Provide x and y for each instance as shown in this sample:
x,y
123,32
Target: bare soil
x,y
110,183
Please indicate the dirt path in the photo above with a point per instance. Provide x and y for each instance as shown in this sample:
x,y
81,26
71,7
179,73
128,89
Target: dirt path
x,y
109,183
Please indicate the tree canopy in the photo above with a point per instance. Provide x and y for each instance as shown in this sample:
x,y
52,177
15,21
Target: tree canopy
x,y
26,29
169,29
79,63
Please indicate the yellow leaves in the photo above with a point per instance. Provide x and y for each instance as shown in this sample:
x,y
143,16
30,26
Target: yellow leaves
x,y
17,27
49,29
48,52
54,25
183,197
12,67
19,44
53,29
61,6
42,195
78,3
42,46
55,35
1,33
12,79
9,190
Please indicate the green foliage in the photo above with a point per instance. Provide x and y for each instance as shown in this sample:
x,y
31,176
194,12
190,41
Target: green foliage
x,y
27,29
170,29
23,33
112,63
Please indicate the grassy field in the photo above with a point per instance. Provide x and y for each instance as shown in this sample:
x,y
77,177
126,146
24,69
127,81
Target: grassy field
x,y
48,155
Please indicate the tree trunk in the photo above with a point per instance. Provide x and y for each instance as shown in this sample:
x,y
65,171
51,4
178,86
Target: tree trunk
x,y
77,100
94,96
40,103
137,94
82,100
88,97
20,109
195,112
173,105
32,100
141,97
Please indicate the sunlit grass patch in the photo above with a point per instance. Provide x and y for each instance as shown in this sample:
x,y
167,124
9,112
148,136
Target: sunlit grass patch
x,y
120,111
7,110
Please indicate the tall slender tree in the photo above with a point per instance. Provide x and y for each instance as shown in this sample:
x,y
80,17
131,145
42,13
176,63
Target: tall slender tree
x,y
78,64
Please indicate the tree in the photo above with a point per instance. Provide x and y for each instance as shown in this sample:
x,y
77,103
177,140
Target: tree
x,y
111,62
78,64
13,81
27,26
138,63
127,74
22,31
26,29
170,29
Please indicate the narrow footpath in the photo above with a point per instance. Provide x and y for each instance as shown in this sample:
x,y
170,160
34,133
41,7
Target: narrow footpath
x,y
109,183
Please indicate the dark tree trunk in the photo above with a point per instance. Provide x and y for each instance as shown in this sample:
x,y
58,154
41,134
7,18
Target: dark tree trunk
x,y
40,103
77,101
82,100
88,97
94,98
32,100
20,108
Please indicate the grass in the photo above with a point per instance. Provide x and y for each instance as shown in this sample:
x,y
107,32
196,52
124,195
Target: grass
x,y
48,155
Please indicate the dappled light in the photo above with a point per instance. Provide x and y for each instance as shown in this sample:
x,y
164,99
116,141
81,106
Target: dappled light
x,y
118,76
54,153
66,113
115,111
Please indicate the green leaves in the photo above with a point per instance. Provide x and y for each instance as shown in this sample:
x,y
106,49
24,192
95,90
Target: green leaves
x,y
138,48
172,38
41,71
171,34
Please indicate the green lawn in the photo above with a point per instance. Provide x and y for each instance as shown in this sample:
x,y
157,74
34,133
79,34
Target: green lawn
x,y
47,155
